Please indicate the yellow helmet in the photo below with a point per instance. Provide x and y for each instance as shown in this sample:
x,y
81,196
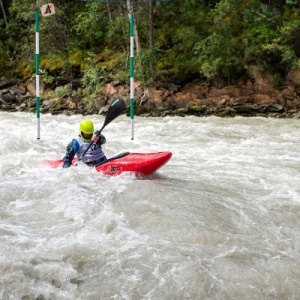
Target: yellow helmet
x,y
87,127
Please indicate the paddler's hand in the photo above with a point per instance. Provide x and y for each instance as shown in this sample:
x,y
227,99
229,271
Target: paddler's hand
x,y
96,136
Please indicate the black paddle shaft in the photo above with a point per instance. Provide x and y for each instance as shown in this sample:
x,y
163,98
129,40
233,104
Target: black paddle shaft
x,y
114,110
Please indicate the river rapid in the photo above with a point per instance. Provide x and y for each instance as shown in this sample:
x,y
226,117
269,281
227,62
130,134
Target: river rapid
x,y
221,220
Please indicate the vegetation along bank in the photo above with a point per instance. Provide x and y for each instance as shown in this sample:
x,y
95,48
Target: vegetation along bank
x,y
204,57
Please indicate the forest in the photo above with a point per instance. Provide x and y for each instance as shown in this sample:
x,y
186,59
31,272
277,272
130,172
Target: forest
x,y
174,40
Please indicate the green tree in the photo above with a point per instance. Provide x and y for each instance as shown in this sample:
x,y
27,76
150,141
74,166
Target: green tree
x,y
179,26
175,40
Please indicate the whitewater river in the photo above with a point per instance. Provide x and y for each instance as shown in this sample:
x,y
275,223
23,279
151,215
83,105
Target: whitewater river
x,y
221,220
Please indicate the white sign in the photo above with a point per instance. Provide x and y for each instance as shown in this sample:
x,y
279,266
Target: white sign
x,y
47,9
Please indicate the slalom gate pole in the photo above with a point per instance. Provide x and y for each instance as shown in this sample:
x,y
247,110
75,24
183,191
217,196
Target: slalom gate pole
x,y
37,68
132,73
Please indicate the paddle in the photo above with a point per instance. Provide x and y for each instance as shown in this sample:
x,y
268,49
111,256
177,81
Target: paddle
x,y
114,110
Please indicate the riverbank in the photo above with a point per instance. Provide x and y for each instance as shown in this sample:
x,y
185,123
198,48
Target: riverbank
x,y
257,97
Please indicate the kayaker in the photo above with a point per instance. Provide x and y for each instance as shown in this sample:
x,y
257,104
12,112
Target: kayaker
x,y
77,146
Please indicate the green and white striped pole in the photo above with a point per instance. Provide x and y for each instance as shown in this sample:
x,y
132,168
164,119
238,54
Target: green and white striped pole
x,y
37,68
132,73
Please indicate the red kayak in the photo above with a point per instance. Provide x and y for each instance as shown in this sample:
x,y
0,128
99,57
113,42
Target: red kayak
x,y
141,164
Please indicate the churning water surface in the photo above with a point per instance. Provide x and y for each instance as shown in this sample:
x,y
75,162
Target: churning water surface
x,y
221,220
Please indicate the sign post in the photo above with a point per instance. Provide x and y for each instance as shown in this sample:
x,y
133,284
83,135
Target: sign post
x,y
46,10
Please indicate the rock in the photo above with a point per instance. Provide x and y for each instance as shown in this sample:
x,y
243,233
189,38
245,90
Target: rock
x,y
252,98
8,96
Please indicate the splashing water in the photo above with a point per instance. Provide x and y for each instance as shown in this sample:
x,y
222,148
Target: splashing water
x,y
220,221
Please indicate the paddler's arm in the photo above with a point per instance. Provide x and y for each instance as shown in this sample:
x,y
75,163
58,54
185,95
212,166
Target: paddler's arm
x,y
72,148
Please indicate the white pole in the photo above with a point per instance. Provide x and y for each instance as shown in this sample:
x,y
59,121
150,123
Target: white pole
x,y
37,69
132,73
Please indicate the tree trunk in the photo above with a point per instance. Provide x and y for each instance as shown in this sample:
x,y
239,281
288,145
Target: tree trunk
x,y
4,15
151,34
109,13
